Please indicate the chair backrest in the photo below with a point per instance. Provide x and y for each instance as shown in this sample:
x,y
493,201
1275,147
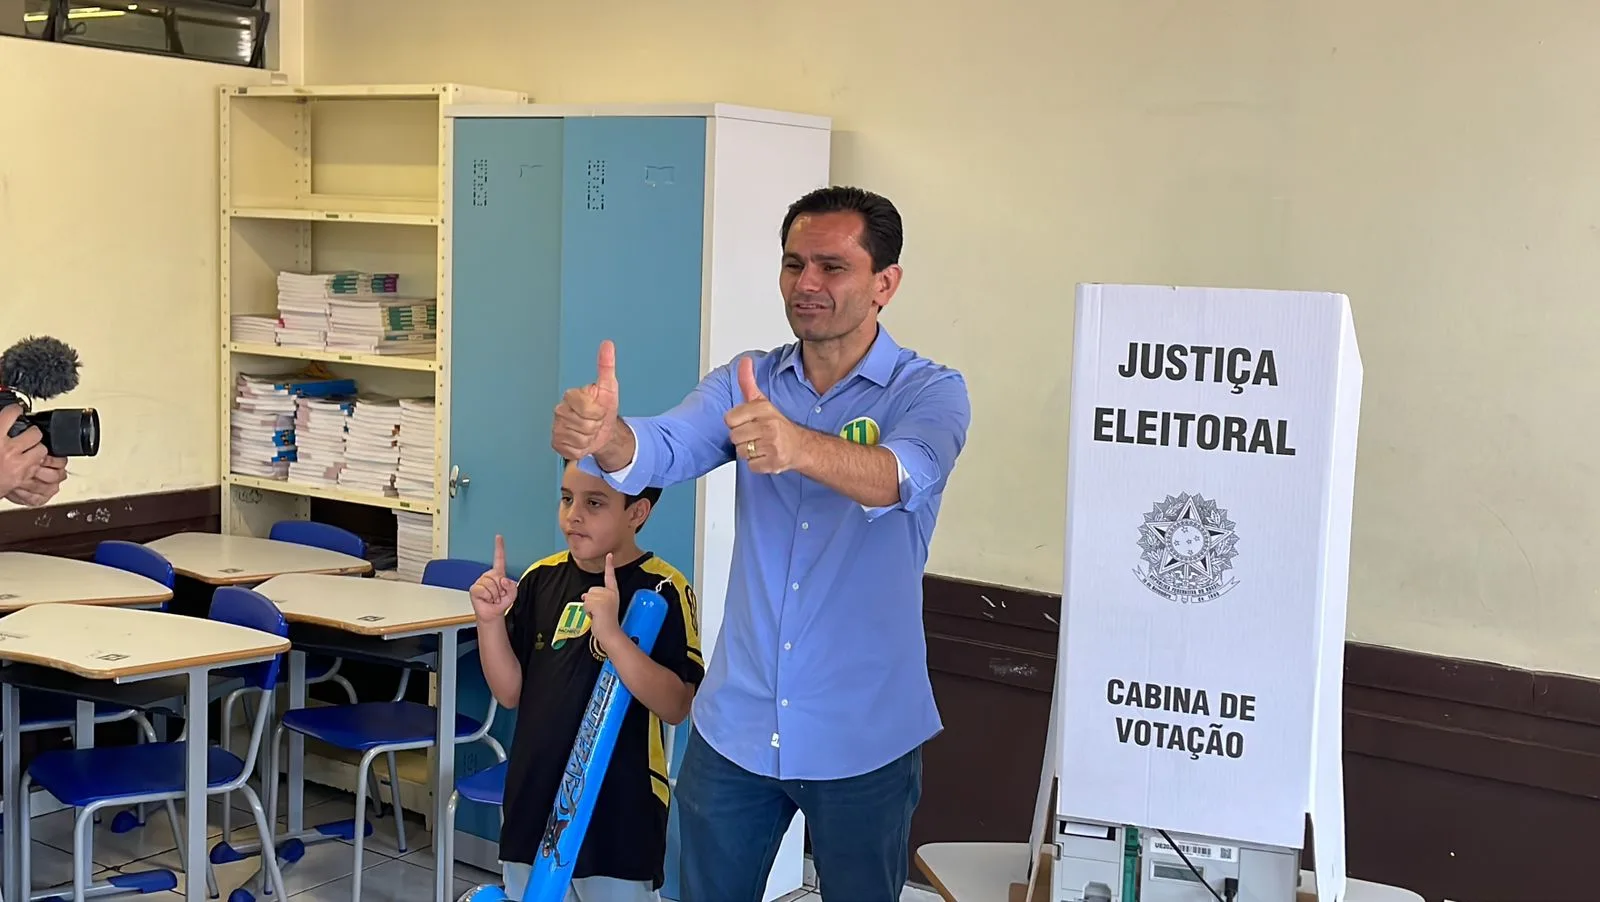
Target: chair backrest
x,y
135,558
247,607
459,573
319,535
453,572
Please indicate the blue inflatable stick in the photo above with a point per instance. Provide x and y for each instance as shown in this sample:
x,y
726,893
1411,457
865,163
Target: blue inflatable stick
x,y
591,755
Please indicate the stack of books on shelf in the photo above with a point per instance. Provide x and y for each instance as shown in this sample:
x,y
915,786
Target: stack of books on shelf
x,y
372,447
262,439
414,478
390,325
260,430
319,436
255,330
304,311
413,544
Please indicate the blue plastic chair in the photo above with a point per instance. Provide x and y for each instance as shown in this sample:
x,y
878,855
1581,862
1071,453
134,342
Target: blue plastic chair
x,y
486,787
92,779
383,728
56,711
319,668
451,573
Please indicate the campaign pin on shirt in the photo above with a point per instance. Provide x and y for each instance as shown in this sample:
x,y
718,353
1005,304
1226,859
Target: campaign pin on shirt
x,y
861,430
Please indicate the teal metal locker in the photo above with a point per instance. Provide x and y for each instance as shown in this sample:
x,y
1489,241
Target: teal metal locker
x,y
557,248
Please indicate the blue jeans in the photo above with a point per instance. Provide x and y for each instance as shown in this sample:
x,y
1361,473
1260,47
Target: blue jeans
x,y
731,823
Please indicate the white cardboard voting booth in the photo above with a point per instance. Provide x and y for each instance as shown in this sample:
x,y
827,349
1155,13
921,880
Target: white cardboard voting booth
x,y
1211,470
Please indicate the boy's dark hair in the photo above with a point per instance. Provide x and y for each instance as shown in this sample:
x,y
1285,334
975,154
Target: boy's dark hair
x,y
881,231
650,493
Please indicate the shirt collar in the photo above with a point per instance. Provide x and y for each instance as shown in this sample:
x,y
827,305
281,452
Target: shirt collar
x,y
877,366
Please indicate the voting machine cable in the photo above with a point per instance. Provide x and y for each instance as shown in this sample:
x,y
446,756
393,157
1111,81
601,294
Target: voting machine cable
x,y
1196,871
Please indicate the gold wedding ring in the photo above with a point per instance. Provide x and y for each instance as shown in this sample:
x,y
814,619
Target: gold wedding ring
x,y
750,449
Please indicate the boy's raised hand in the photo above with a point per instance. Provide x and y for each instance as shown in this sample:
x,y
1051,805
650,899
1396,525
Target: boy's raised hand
x,y
493,593
601,604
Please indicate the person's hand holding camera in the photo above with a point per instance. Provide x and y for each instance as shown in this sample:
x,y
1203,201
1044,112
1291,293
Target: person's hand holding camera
x,y
28,475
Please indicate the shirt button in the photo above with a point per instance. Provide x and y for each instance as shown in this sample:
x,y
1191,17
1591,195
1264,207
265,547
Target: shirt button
x,y
805,525
816,410
788,645
786,703
795,586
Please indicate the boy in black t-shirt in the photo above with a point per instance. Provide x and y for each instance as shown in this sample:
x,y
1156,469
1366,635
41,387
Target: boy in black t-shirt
x,y
542,643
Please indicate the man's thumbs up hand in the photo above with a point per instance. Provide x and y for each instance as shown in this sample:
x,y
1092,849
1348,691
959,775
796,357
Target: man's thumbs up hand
x,y
762,436
747,381
586,416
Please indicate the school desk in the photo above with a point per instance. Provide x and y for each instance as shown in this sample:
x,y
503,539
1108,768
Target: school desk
x,y
372,613
120,645
29,579
220,560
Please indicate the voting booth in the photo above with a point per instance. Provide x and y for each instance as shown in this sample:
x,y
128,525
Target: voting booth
x,y
1197,709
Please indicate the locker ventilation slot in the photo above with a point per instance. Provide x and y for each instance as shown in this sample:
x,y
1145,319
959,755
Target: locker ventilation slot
x,y
595,195
480,183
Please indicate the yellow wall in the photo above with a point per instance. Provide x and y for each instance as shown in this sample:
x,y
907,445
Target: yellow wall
x,y
1435,160
108,241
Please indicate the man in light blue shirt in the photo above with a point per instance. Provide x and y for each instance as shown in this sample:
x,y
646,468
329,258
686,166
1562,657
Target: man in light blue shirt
x,y
817,698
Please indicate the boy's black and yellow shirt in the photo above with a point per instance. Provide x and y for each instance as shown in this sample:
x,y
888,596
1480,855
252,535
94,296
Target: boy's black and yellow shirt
x,y
549,632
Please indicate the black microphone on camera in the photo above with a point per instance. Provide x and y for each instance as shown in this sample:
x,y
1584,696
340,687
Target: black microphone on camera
x,y
38,369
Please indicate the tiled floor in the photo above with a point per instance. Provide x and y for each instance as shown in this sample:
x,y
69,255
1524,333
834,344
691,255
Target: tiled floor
x,y
322,875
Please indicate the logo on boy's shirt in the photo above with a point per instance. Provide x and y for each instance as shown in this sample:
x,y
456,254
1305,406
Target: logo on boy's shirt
x,y
574,622
861,430
694,605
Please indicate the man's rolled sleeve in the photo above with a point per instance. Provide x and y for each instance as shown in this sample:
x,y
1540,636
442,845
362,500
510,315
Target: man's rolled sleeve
x,y
927,440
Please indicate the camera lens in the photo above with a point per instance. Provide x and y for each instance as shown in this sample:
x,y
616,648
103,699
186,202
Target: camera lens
x,y
71,433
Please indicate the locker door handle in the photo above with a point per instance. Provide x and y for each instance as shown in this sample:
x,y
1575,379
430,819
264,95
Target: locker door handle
x,y
457,479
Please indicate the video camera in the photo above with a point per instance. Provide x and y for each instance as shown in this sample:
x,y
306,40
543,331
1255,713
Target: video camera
x,y
37,369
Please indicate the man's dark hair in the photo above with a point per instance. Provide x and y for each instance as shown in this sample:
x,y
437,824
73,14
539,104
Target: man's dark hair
x,y
881,230
652,493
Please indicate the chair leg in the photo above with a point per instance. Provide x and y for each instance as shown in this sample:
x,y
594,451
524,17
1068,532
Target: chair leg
x,y
269,851
449,839
148,734
225,741
26,829
183,849
359,838
272,776
82,853
394,799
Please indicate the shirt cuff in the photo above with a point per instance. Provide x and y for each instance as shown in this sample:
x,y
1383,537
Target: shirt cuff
x,y
619,479
622,474
900,481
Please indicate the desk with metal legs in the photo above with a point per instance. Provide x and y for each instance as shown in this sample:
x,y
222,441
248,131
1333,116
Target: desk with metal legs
x,y
119,645
368,612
